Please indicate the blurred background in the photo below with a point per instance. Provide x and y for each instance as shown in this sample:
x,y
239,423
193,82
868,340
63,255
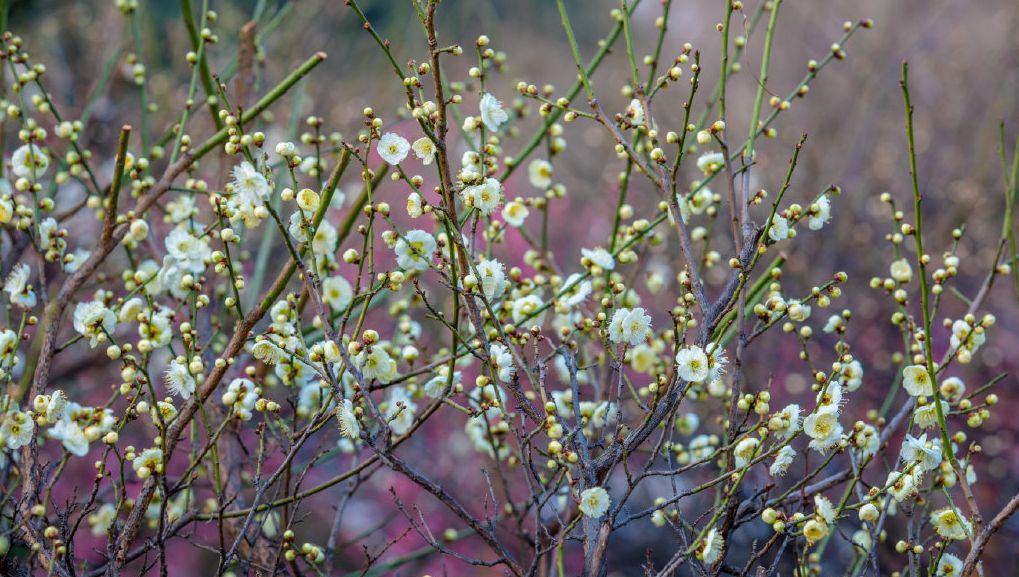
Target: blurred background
x,y
964,59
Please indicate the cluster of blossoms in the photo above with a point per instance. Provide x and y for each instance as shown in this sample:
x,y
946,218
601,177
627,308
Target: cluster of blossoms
x,y
263,311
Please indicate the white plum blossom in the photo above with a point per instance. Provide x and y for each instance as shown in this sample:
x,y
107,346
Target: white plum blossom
x,y
424,149
492,114
17,287
785,457
539,173
635,111
492,279
779,229
599,257
711,162
485,197
824,429
17,429
919,450
400,411
29,161
917,381
949,566
594,502
241,397
349,427
745,451
515,213
337,293
901,271
692,364
414,250
631,326
820,213
393,148
711,549
94,320
179,380
502,361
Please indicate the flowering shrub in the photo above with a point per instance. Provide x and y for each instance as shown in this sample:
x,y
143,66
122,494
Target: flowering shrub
x,y
278,347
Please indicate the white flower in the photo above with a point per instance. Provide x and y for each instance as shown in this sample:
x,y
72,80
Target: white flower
x,y
539,172
824,508
599,257
852,372
18,288
72,436
503,361
950,524
798,311
249,183
901,271
349,427
820,216
594,502
786,422
575,290
414,250
779,229
376,364
643,358
716,361
240,397
424,149
308,200
711,162
824,428
436,386
949,566
485,197
415,205
919,450
952,388
515,213
52,407
783,459
29,161
964,336
337,293
815,530
267,351
900,485
711,551
492,113
400,411
393,148
835,322
635,110
698,201
631,326
926,417
917,381
179,381
17,429
692,364
745,451
188,251
492,279
148,462
93,320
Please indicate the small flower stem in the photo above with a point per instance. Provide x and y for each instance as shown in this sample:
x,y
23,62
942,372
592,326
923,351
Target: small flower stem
x,y
921,263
